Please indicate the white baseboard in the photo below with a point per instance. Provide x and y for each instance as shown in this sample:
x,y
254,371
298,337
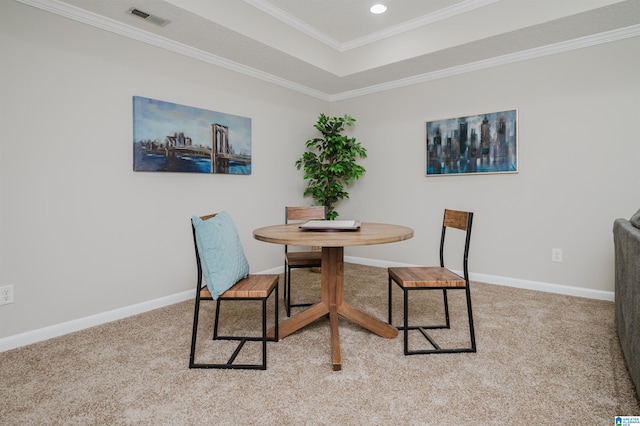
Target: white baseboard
x,y
56,330
509,282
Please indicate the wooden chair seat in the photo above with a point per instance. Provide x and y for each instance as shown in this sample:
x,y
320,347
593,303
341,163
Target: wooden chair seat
x,y
426,276
253,286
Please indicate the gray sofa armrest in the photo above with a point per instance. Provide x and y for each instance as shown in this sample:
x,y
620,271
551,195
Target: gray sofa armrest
x,y
626,239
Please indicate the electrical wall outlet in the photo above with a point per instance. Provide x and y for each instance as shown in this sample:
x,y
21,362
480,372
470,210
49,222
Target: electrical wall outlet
x,y
556,255
6,294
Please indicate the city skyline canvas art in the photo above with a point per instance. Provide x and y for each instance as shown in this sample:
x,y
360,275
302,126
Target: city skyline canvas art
x,y
169,137
475,144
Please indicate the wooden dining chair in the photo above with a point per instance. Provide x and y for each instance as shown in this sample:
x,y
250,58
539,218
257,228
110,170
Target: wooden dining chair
x,y
411,279
252,287
298,258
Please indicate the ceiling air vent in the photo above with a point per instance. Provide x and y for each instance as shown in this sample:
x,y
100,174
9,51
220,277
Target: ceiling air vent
x,y
149,17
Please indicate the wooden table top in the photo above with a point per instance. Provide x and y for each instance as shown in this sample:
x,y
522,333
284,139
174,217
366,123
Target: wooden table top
x,y
369,233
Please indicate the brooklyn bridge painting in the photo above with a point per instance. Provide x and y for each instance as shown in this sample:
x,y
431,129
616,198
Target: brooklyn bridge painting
x,y
169,137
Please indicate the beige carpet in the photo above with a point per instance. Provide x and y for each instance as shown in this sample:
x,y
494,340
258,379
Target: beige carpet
x,y
542,359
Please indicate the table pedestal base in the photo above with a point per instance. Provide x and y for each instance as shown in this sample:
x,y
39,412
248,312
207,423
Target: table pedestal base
x,y
333,303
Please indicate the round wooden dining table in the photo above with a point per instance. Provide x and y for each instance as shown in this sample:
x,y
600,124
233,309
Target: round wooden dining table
x,y
332,275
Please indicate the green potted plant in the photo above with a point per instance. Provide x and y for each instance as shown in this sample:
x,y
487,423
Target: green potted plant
x,y
330,164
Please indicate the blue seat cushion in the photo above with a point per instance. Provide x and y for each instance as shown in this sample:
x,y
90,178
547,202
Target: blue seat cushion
x,y
221,255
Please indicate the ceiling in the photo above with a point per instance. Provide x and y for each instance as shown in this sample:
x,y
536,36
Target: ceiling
x,y
336,49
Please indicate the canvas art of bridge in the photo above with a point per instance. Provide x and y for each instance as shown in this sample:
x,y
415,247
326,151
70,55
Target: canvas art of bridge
x,y
169,137
221,155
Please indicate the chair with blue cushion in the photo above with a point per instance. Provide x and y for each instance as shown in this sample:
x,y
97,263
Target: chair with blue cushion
x,y
221,260
413,278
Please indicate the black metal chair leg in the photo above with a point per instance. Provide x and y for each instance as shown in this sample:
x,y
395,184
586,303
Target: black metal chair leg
x,y
287,291
194,333
406,320
389,292
446,308
276,316
264,334
472,333
215,323
286,267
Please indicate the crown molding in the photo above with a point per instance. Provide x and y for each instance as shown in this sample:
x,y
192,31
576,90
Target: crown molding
x,y
293,22
102,22
439,15
81,15
552,49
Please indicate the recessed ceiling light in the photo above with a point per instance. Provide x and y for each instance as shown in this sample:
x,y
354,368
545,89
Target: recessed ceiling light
x,y
378,8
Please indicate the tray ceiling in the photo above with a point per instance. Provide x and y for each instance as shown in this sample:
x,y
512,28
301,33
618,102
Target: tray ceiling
x,y
335,49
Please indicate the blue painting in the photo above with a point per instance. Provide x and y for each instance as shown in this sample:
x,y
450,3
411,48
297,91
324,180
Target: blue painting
x,y
169,137
483,143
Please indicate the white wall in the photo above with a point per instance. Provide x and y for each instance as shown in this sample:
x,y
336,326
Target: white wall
x,y
579,145
82,234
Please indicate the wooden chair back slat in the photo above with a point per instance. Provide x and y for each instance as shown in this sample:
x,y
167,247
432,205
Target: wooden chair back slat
x,y
456,219
304,213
